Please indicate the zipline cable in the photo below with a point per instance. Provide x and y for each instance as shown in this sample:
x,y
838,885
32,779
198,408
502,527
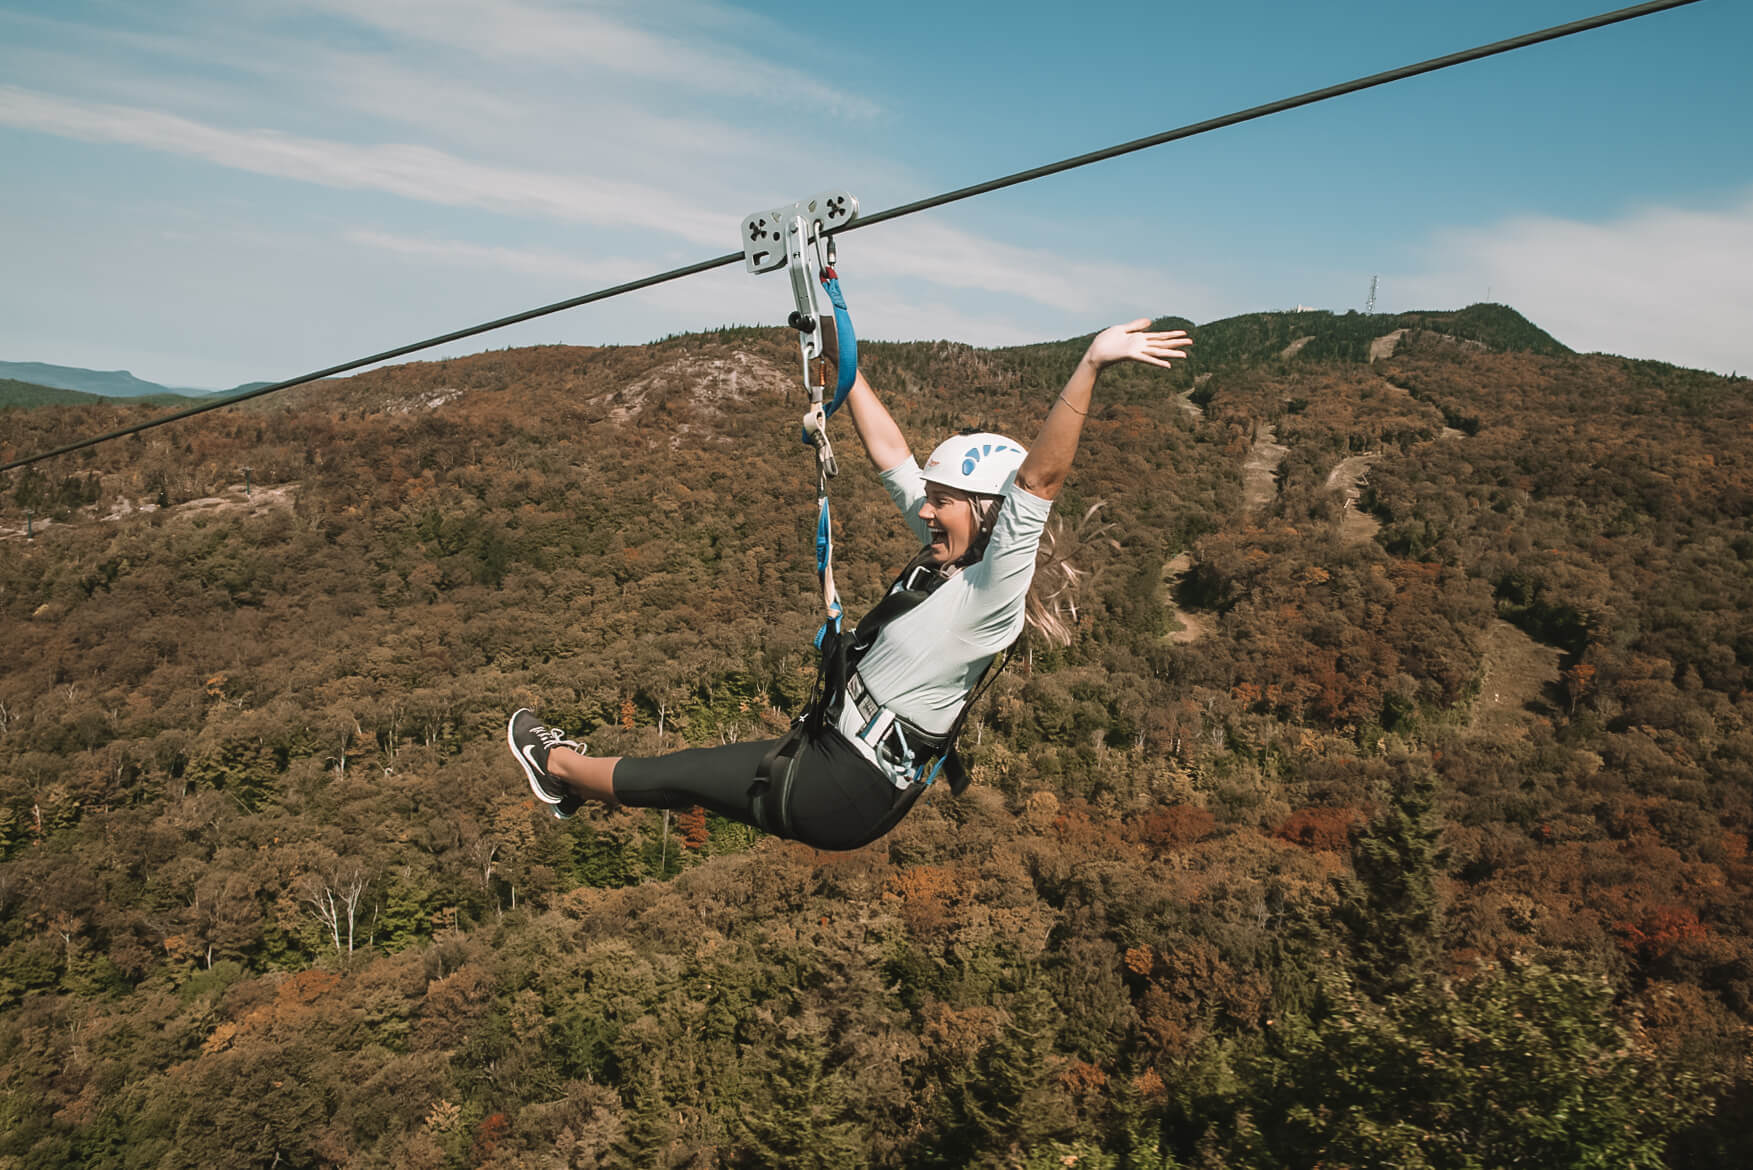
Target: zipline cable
x,y
1188,131
1291,103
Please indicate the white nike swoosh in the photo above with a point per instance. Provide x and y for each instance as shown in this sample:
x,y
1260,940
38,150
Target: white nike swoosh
x,y
533,772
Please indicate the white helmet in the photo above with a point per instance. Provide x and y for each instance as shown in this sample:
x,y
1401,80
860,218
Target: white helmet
x,y
982,463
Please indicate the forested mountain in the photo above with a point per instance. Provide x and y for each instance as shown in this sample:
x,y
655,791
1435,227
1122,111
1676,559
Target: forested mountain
x,y
1390,809
15,394
1313,334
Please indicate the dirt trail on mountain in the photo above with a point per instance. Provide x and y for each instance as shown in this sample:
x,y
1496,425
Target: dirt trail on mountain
x,y
1260,472
1192,626
1189,627
1516,673
1514,691
1385,345
1355,525
1259,488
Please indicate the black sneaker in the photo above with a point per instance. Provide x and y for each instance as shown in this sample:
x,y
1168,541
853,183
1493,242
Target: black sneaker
x,y
531,742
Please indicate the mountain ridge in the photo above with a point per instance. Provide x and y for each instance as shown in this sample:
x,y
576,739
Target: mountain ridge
x,y
1227,341
103,383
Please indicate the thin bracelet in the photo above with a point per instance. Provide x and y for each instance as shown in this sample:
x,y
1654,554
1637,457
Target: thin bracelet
x,y
1074,409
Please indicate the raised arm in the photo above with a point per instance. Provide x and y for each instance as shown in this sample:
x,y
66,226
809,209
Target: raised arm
x,y
883,440
1049,461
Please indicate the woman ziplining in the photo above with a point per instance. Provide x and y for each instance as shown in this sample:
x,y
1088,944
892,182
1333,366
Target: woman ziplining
x,y
892,694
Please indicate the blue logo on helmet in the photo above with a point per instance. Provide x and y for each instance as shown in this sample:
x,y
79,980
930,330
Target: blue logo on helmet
x,y
971,458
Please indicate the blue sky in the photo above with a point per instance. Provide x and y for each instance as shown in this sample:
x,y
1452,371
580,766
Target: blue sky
x,y
206,193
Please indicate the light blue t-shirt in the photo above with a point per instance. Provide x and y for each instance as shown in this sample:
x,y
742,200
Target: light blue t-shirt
x,y
924,663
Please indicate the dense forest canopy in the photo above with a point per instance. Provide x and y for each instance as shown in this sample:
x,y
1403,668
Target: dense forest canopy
x,y
1390,809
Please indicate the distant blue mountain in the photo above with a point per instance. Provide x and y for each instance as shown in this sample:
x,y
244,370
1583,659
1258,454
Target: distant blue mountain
x,y
109,383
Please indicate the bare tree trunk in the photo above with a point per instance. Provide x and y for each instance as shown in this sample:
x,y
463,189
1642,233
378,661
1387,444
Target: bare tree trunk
x,y
322,902
351,894
336,897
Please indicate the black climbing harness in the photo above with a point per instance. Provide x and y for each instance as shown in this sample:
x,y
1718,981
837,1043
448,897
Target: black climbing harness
x,y
909,750
913,757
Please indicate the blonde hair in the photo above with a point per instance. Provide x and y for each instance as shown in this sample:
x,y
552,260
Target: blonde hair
x,y
1051,609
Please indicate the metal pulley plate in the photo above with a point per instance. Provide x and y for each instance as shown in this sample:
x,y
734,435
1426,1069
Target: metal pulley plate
x,y
764,231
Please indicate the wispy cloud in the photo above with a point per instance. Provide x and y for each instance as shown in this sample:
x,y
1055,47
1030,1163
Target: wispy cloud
x,y
1084,293
521,260
1667,283
913,250
505,121
594,37
413,172
488,110
923,249
893,316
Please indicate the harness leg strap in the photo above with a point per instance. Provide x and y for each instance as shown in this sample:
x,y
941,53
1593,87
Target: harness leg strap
x,y
776,771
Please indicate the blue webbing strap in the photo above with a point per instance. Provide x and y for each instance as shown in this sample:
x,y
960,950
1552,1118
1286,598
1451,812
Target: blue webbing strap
x,y
825,557
846,342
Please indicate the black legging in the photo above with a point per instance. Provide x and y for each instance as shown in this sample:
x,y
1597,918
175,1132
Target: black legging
x,y
831,797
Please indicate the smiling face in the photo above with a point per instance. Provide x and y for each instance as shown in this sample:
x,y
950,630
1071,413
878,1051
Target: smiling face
x,y
953,522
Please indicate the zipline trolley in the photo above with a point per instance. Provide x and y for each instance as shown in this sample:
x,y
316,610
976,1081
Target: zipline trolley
x,y
799,238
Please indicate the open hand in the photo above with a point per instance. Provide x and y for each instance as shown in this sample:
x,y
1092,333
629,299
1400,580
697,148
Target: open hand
x,y
1132,343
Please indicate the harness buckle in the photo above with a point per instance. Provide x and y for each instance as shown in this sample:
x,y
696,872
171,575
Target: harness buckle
x,y
815,429
902,748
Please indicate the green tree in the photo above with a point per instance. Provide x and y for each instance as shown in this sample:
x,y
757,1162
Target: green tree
x,y
1389,905
1007,1100
1518,1066
806,1118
